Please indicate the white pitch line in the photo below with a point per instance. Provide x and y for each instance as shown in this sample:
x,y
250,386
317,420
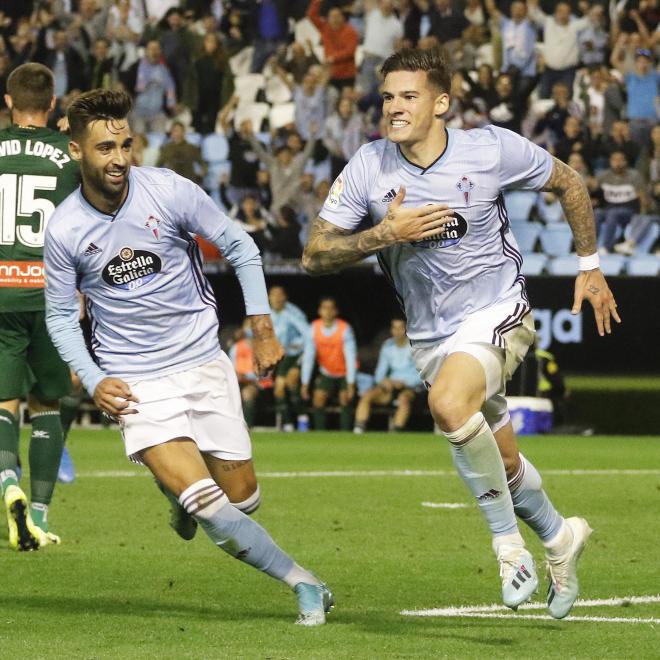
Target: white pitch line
x,y
445,505
497,611
382,473
569,619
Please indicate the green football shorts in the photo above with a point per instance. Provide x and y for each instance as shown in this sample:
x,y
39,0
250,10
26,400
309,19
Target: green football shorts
x,y
330,384
28,360
287,363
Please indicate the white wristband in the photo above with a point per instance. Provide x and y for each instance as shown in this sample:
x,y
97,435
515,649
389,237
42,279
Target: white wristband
x,y
589,263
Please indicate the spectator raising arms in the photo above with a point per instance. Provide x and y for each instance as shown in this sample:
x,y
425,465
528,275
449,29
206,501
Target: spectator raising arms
x,y
340,41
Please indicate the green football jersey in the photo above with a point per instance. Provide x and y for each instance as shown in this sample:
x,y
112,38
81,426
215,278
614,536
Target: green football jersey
x,y
36,174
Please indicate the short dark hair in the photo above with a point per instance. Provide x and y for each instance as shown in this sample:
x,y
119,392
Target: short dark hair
x,y
433,60
97,104
31,87
619,151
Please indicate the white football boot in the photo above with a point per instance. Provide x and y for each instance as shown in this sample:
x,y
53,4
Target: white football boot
x,y
562,561
519,580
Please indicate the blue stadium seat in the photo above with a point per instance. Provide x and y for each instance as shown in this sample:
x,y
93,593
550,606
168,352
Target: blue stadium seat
x,y
612,264
212,179
647,241
567,265
215,148
526,234
156,140
533,263
556,240
519,204
194,138
264,137
645,265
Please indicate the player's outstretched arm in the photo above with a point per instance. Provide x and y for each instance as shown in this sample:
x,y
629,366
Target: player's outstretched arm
x,y
330,248
567,184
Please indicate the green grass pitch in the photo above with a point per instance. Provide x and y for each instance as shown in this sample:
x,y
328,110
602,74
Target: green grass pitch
x,y
122,585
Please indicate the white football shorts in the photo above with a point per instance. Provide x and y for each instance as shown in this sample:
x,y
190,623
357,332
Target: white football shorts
x,y
203,403
498,337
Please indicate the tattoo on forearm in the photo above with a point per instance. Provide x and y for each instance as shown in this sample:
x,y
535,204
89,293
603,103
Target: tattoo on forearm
x,y
567,184
330,248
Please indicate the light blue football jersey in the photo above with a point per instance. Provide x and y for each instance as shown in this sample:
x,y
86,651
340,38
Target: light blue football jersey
x,y
151,309
474,262
290,329
396,363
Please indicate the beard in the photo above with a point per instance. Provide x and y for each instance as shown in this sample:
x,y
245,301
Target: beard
x,y
95,179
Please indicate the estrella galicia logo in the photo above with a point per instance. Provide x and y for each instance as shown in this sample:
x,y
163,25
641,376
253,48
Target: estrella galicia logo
x,y
131,269
450,234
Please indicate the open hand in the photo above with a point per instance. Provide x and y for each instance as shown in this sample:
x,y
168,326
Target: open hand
x,y
408,224
591,284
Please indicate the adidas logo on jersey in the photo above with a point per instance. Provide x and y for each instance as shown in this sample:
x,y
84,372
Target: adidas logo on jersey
x,y
389,196
92,249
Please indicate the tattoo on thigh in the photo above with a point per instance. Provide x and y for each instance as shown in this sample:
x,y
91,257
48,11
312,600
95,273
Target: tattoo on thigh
x,y
229,466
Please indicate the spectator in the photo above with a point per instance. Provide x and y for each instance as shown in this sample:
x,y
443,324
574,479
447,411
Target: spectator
x,y
575,138
284,171
642,88
410,15
382,31
623,194
283,236
310,100
271,32
237,31
64,61
311,198
242,155
555,117
625,50
518,37
89,24
215,83
464,111
593,40
561,51
484,87
641,223
344,134
447,22
331,343
509,107
474,13
602,100
296,61
153,88
101,66
177,45
396,379
340,41
252,217
617,140
123,29
182,157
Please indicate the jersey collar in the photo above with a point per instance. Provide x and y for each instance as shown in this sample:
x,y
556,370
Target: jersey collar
x,y
436,164
106,216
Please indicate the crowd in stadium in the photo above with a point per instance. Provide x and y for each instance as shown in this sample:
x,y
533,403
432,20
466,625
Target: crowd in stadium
x,y
263,101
